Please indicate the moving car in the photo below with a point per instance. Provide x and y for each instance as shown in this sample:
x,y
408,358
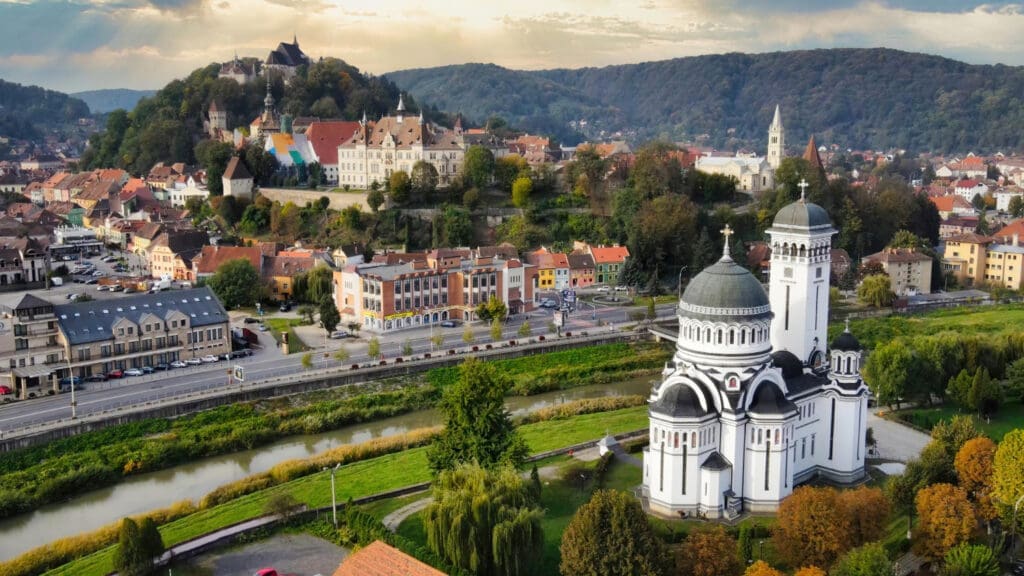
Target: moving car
x,y
133,372
210,358
179,364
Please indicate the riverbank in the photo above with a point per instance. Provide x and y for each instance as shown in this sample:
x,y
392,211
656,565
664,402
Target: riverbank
x,y
104,458
353,481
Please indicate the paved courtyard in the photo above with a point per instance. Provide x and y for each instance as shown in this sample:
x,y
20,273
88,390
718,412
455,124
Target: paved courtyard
x,y
289,554
896,441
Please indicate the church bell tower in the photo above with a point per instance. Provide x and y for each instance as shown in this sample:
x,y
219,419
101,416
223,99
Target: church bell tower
x,y
776,140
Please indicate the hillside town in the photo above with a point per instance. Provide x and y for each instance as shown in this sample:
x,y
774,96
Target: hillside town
x,y
367,316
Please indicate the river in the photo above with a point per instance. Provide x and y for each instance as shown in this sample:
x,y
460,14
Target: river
x,y
154,490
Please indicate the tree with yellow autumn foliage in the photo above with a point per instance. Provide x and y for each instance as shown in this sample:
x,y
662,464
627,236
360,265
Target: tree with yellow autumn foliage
x,y
946,518
709,552
817,525
974,467
761,568
810,571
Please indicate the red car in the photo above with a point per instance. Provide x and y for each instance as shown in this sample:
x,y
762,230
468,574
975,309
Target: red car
x,y
5,390
266,572
118,373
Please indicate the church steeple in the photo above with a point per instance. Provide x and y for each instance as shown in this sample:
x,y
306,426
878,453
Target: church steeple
x,y
776,140
268,101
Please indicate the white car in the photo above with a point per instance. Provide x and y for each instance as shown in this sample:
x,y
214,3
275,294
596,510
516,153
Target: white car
x,y
179,364
210,358
604,289
193,361
133,372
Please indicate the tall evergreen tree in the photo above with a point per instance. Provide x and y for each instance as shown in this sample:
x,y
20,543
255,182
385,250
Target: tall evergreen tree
x,y
130,558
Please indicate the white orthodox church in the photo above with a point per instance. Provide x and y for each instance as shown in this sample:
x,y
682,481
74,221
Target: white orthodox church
x,y
749,407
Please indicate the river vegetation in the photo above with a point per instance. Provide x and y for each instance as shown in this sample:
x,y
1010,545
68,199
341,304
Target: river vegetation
x,y
89,461
389,471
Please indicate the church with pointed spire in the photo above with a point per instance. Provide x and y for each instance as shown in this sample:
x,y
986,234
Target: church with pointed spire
x,y
753,174
755,401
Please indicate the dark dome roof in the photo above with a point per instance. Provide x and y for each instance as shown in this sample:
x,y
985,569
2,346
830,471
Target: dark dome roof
x,y
801,214
770,400
790,364
679,401
846,342
725,285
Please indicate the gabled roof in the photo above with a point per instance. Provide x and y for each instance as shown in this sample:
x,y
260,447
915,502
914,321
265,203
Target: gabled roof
x,y
609,254
972,238
379,559
236,170
325,137
897,255
1015,227
580,261
84,322
287,265
213,257
949,202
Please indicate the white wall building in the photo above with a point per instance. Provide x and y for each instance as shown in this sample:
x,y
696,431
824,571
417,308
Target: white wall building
x,y
748,408
179,195
753,174
397,143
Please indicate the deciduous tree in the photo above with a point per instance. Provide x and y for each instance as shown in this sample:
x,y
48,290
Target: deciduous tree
x,y
761,568
495,329
610,535
491,309
709,552
810,571
521,190
875,290
1007,480
373,348
236,283
399,187
970,560
329,317
866,512
486,522
974,468
868,560
478,428
424,180
130,558
811,528
478,166
946,518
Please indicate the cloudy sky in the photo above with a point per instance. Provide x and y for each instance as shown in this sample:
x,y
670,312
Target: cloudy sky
x,y
87,44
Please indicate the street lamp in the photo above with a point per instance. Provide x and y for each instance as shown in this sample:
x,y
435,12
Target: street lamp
x,y
761,550
71,380
679,283
334,496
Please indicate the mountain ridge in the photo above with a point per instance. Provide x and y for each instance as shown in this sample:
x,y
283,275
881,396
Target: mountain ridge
x,y
854,97
109,99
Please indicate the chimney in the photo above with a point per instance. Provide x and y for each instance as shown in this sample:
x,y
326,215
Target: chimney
x,y
1016,239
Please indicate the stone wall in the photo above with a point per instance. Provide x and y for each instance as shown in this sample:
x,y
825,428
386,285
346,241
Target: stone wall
x,y
339,200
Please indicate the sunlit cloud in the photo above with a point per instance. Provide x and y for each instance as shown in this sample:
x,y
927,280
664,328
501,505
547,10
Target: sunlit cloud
x,y
86,44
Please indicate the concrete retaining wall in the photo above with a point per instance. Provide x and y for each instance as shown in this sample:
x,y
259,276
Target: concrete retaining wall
x,y
339,200
299,383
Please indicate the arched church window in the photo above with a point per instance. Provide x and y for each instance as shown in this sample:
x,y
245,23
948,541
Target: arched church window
x,y
707,335
676,443
847,364
693,440
743,336
732,336
776,435
719,335
685,435
751,435
803,250
760,436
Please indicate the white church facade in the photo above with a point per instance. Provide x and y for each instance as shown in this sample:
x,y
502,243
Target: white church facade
x,y
749,408
753,174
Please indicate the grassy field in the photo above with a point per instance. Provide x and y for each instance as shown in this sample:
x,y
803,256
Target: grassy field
x,y
1009,417
279,326
991,320
362,479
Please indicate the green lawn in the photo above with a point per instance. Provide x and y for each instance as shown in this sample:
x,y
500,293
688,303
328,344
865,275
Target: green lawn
x,y
280,326
365,478
1009,417
990,320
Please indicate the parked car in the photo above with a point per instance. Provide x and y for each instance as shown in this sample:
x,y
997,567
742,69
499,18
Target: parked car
x,y
243,353
115,373
130,290
161,367
133,372
622,288
65,381
266,572
148,369
284,307
448,324
209,358
116,288
4,390
193,361
179,364
604,289
251,320
338,334
263,327
96,378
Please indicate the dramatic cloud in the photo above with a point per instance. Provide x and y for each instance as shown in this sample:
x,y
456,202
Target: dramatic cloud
x,y
83,44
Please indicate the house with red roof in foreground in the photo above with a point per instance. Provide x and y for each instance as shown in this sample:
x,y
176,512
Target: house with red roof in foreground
x,y
379,559
952,205
325,137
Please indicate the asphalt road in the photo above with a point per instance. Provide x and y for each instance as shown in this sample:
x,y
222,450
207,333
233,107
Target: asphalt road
x,y
269,362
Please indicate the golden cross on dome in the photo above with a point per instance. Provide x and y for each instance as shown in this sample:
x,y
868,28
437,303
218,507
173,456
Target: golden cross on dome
x,y
727,232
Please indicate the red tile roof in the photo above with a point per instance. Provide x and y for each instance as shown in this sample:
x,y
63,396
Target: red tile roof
x,y
949,202
1007,232
212,257
609,254
325,137
379,559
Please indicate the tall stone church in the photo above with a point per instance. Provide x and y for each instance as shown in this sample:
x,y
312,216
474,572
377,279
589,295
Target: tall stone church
x,y
754,401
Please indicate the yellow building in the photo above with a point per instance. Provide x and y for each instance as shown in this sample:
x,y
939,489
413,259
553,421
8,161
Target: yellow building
x,y
1003,265
965,257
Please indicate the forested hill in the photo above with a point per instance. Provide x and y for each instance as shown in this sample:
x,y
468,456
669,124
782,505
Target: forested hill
x,y
27,111
857,98
106,100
